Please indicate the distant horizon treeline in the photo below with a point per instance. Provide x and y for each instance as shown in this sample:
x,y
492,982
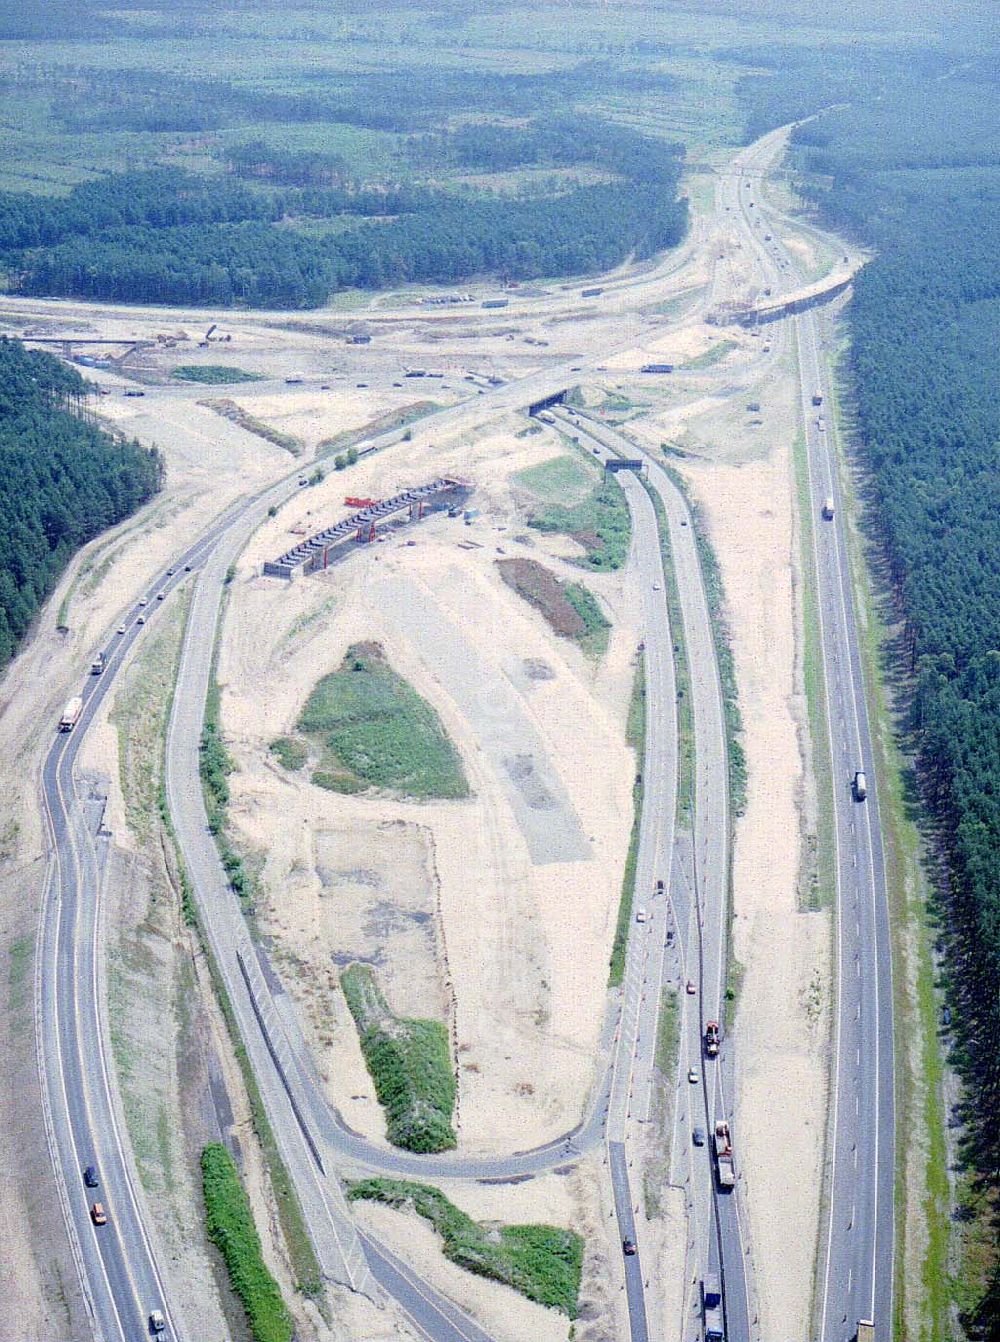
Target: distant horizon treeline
x,y
62,482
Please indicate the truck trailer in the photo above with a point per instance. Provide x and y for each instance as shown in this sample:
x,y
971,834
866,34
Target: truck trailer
x,y
711,1309
71,714
723,1146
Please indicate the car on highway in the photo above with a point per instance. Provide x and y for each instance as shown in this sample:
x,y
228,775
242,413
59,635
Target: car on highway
x,y
656,586
642,914
698,1136
90,1176
98,1215
121,629
161,596
141,619
187,568
693,1076
691,989
628,1247
171,572
143,601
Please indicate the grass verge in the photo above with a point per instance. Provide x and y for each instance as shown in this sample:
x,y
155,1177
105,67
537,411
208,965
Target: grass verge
x,y
716,597
373,730
682,671
410,1063
710,357
541,1262
635,735
213,374
251,424
231,1229
818,880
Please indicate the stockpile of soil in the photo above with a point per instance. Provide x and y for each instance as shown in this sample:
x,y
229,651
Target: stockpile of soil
x,y
545,592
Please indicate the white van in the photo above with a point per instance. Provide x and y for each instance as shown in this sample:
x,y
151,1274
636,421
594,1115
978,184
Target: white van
x,y
641,914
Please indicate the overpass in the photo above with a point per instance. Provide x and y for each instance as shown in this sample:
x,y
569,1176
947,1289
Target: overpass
x,y
782,305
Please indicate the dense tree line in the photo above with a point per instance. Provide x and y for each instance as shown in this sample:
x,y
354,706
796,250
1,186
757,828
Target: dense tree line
x,y
257,265
162,238
62,481
555,141
915,172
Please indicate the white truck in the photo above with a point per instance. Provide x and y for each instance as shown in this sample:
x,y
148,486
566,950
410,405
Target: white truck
x,y
860,785
71,714
828,508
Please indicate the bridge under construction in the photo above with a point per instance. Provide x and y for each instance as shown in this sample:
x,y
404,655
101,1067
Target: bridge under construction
x,y
336,542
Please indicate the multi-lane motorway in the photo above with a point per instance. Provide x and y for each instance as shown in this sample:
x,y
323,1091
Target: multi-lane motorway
x,y
117,1261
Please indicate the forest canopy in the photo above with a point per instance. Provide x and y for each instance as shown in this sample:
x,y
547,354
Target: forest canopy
x,y
62,481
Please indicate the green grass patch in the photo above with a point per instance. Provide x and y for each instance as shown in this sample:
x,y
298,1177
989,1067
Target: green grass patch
x,y
561,480
598,520
818,881
410,1063
734,986
622,927
290,752
375,730
635,734
715,354
668,1032
541,1262
597,626
213,374
216,764
231,1229
21,954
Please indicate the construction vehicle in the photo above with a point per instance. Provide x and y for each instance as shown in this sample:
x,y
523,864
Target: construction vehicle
x,y
828,508
817,398
71,714
712,1038
711,1309
657,368
723,1147
98,664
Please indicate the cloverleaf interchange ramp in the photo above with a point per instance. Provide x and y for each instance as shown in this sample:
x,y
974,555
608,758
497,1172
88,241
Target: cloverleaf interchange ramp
x,y
123,1279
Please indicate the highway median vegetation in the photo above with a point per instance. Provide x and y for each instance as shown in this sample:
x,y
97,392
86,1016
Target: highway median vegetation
x,y
410,1063
231,1228
541,1262
368,728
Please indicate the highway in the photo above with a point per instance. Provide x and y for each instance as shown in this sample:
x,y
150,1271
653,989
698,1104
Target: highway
x,y
84,1124
857,1249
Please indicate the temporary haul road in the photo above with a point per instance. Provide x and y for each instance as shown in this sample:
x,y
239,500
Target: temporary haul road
x,y
83,1116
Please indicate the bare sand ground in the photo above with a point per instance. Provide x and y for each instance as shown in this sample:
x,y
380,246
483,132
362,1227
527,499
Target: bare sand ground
x,y
446,899
746,494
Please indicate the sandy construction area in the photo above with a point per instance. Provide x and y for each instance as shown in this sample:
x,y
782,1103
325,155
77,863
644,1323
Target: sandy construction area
x,y
497,912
